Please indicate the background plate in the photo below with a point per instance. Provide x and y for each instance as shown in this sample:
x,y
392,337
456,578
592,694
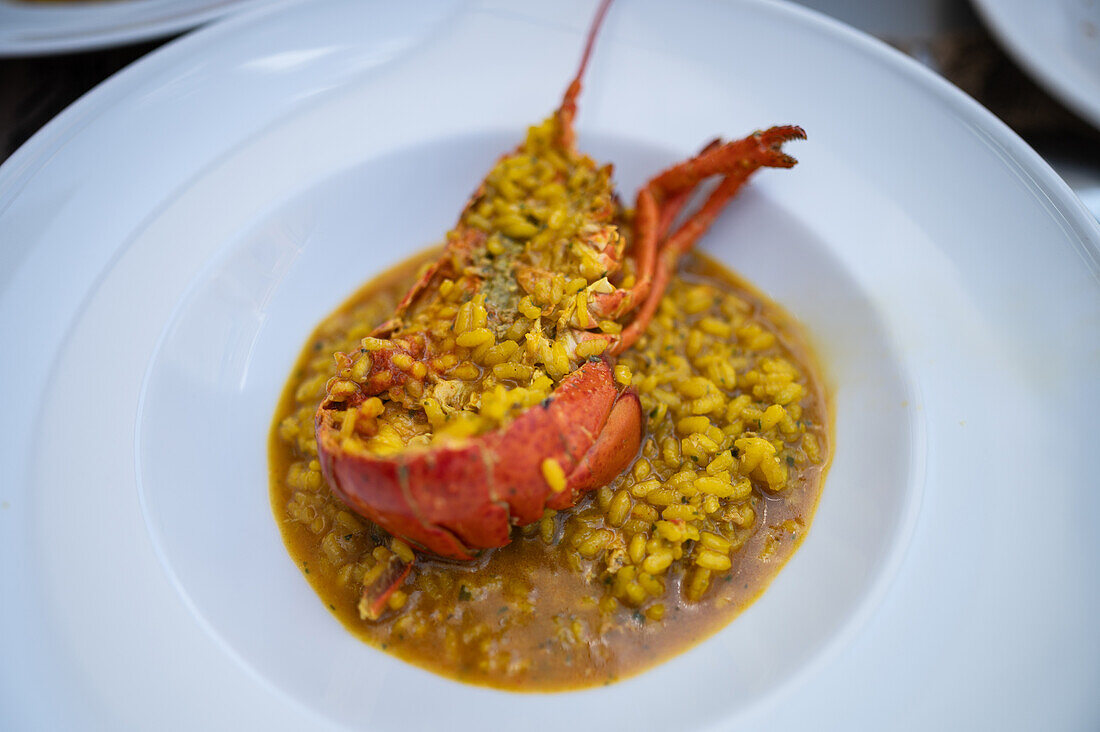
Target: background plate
x,y
34,27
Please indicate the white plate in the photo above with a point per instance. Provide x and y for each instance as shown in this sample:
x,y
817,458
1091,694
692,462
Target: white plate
x,y
1058,42
168,243
34,27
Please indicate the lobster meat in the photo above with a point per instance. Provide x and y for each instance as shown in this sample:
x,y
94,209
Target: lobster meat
x,y
402,434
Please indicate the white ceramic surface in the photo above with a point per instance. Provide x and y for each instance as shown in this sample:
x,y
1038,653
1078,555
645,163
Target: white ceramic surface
x,y
1057,41
152,311
237,330
34,27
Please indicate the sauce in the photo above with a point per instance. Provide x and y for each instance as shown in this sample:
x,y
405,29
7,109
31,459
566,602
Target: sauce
x,y
555,609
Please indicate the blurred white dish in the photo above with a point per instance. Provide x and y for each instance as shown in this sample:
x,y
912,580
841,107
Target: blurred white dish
x,y
1058,42
167,243
36,27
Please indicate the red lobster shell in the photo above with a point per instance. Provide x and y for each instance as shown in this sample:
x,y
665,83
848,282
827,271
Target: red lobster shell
x,y
454,498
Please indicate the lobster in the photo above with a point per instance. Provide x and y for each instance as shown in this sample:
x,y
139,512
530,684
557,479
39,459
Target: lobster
x,y
457,496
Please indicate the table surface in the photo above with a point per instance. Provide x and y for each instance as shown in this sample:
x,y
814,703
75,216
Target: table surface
x,y
943,34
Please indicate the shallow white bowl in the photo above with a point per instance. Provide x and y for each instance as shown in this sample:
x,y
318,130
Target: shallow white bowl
x,y
167,249
228,349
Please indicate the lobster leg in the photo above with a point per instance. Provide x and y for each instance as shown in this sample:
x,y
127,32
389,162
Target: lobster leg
x,y
652,221
738,157
665,206
735,160
372,602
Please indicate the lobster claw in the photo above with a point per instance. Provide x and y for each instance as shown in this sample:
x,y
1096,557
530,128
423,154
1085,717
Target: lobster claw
x,y
455,499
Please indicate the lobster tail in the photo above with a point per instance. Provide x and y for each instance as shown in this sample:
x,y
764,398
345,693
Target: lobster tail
x,y
456,499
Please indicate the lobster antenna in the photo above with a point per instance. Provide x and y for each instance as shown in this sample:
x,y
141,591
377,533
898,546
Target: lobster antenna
x,y
568,109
